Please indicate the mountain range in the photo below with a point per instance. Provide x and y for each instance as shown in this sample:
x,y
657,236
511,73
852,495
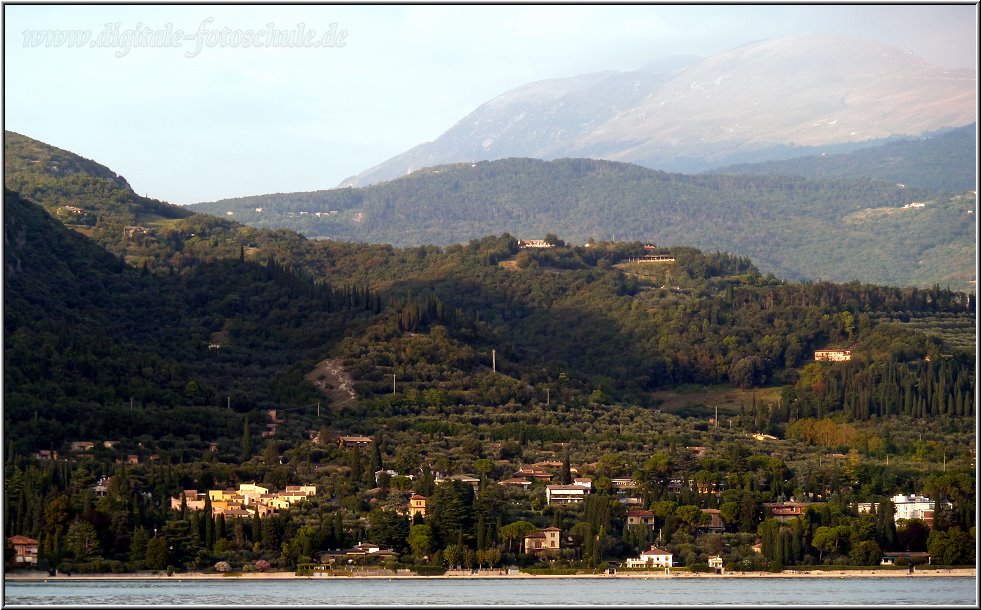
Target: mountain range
x,y
768,100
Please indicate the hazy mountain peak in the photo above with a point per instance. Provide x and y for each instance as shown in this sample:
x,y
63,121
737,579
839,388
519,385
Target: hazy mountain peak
x,y
808,90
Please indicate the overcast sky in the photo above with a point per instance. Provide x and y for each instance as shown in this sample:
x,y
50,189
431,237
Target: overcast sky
x,y
206,118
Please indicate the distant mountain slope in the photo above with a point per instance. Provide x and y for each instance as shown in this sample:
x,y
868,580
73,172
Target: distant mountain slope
x,y
944,162
774,99
792,227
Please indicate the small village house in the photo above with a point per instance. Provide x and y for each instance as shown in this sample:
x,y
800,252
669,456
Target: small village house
x,y
469,479
620,484
534,473
641,517
516,482
832,355
714,524
417,506
565,494
354,441
786,511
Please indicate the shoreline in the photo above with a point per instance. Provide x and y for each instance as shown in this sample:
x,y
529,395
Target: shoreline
x,y
497,575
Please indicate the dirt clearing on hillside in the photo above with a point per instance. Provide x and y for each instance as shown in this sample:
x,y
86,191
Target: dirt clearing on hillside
x,y
330,378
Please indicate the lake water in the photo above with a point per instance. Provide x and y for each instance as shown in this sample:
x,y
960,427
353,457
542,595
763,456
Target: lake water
x,y
895,591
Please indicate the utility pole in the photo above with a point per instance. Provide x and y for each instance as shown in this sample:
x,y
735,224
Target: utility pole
x,y
494,360
318,408
716,416
393,383
547,398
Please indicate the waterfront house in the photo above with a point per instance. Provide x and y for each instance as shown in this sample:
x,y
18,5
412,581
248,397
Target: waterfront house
x,y
715,562
889,558
543,542
652,558
25,549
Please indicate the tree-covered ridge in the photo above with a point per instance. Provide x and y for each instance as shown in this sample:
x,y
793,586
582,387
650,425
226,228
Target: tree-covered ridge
x,y
795,227
945,162
78,191
26,155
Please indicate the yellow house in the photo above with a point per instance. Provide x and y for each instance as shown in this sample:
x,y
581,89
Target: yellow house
x,y
417,506
544,541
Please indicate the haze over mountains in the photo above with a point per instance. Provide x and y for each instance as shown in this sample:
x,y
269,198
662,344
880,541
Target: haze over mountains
x,y
769,100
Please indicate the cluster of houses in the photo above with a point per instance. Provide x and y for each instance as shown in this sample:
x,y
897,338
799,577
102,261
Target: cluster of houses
x,y
82,449
248,499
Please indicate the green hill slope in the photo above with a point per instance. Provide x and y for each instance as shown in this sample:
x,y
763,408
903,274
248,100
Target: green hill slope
x,y
793,227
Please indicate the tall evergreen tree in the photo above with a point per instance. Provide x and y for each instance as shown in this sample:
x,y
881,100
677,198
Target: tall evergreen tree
x,y
246,441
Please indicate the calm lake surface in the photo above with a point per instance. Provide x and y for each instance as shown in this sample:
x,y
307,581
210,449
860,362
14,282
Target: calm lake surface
x,y
941,591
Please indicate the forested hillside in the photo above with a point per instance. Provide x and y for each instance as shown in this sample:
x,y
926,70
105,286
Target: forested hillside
x,y
943,162
174,338
839,230
93,346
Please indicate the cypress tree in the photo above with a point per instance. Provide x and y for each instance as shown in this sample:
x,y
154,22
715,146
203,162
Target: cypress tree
x,y
566,468
246,442
209,524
